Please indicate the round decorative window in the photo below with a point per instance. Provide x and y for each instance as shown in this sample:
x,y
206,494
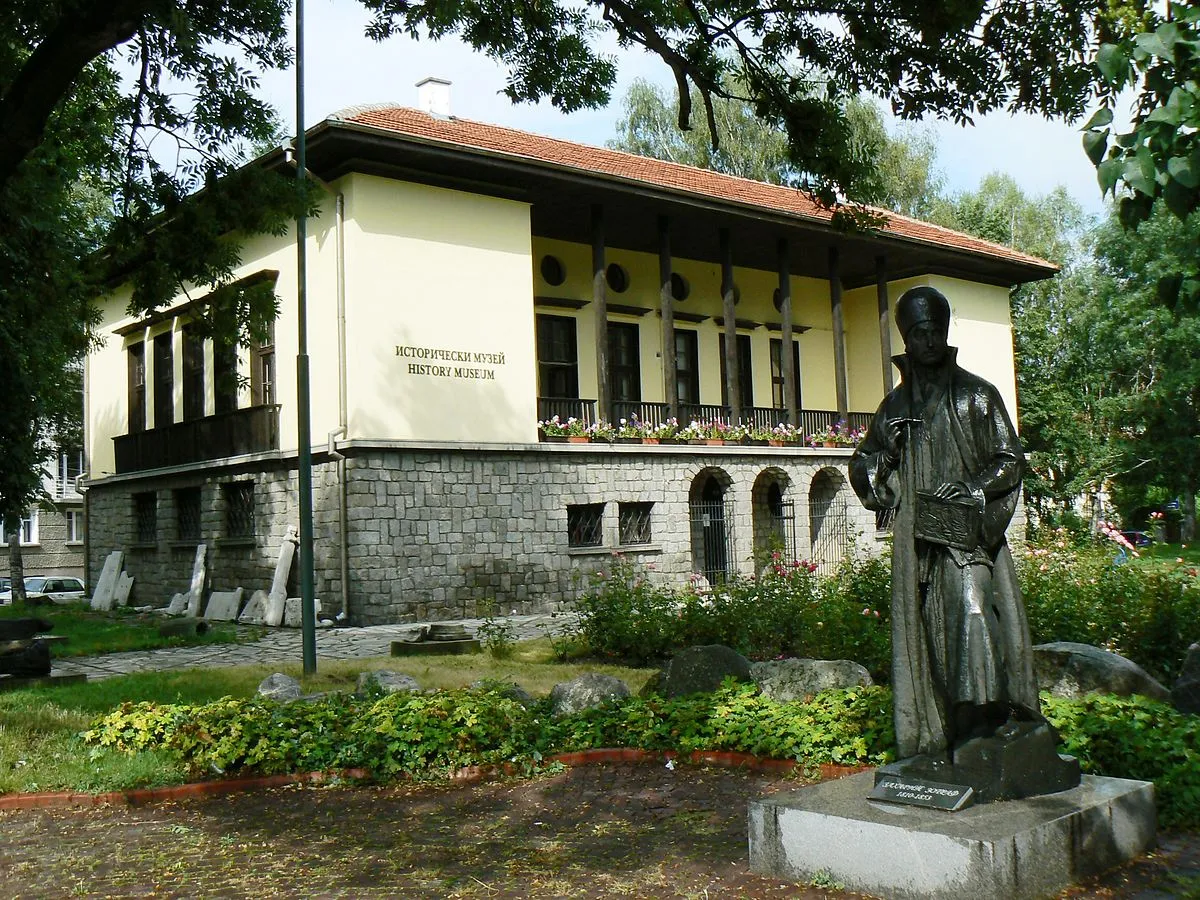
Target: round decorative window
x,y
617,278
680,289
553,271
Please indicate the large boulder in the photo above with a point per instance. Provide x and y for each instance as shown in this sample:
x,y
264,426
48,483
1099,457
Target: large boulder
x,y
585,692
700,670
280,687
388,682
784,680
1067,669
1185,693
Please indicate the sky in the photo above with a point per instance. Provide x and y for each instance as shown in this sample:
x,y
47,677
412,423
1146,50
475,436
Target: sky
x,y
344,68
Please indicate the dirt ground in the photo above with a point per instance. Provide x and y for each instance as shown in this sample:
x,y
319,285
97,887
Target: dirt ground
x,y
631,831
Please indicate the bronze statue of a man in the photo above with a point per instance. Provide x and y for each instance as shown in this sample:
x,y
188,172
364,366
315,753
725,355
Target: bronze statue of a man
x,y
942,453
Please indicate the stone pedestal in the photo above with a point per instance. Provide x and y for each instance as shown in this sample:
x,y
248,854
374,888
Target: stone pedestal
x,y
1007,849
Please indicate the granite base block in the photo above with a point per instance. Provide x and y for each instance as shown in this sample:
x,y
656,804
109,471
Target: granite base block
x,y
1008,849
435,648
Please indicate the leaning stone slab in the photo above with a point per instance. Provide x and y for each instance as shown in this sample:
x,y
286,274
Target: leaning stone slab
x,y
700,670
255,611
1018,849
102,596
785,680
224,606
277,596
293,615
188,626
280,687
122,589
586,692
177,606
196,591
1067,669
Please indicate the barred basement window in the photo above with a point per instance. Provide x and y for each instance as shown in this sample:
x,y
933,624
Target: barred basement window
x,y
145,517
585,523
187,514
239,509
634,522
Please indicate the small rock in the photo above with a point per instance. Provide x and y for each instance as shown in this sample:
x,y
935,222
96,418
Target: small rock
x,y
283,688
586,692
785,680
700,670
1067,669
388,682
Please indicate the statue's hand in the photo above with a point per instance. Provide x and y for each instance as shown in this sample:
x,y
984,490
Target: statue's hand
x,y
952,490
894,433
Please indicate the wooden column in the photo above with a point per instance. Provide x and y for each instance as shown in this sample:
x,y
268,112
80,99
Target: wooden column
x,y
667,306
885,325
731,354
786,353
600,306
839,335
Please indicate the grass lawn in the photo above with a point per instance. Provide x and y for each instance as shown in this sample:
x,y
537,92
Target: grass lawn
x,y
1170,554
89,633
40,749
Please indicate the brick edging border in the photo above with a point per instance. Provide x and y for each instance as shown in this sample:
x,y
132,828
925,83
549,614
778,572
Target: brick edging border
x,y
143,796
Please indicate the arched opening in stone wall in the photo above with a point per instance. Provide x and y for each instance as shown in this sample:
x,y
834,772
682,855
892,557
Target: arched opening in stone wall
x,y
774,517
712,534
829,520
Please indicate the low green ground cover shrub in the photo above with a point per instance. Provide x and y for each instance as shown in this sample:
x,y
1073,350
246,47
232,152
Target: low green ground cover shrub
x,y
423,735
1135,737
786,611
427,735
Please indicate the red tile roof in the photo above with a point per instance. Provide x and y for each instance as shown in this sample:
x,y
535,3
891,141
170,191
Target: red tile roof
x,y
659,173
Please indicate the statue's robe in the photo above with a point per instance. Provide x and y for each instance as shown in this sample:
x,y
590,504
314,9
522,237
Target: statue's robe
x,y
959,630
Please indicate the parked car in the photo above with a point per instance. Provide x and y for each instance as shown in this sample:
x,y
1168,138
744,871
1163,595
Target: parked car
x,y
57,589
5,583
1137,538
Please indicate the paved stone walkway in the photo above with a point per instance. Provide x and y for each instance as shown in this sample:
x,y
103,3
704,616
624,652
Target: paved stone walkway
x,y
280,645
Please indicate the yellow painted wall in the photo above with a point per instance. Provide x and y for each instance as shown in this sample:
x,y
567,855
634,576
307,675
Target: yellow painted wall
x,y
430,270
440,321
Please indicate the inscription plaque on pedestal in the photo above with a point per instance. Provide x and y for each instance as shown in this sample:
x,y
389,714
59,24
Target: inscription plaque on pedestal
x,y
918,792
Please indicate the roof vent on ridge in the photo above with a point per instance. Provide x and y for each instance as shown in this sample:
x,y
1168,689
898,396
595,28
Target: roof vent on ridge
x,y
433,96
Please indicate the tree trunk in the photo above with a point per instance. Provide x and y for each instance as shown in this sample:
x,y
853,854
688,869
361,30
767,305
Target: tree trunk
x,y
1187,503
16,566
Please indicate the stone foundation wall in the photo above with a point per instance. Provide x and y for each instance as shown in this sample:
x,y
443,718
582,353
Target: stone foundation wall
x,y
437,534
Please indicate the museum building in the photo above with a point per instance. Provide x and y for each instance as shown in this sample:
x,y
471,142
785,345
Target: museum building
x,y
467,281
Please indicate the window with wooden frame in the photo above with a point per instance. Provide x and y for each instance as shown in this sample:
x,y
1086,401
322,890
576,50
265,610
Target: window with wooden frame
x,y
135,358
777,398
745,373
193,374
164,379
687,366
225,380
262,371
624,361
558,357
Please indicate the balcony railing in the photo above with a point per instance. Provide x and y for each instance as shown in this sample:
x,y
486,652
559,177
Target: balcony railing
x,y
812,421
251,430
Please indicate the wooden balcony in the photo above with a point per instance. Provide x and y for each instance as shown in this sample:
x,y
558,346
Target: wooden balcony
x,y
251,430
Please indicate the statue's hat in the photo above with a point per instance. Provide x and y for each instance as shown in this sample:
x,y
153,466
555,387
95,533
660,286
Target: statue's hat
x,y
922,304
